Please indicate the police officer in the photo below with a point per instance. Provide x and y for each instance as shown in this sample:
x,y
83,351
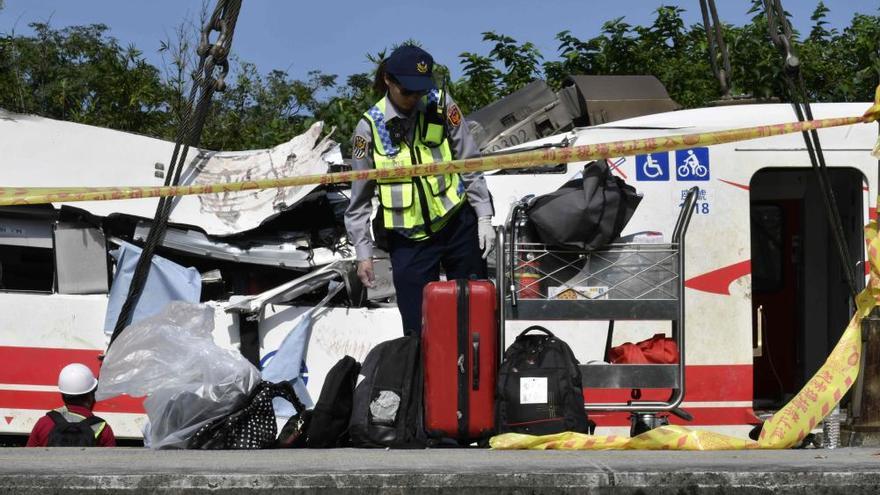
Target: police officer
x,y
430,221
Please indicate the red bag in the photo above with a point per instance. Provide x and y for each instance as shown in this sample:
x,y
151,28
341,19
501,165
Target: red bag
x,y
627,353
659,349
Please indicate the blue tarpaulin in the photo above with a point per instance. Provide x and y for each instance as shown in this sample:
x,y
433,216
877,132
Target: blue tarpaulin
x,y
286,363
166,282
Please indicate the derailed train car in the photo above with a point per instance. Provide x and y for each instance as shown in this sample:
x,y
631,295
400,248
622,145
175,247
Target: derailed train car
x,y
765,301
262,259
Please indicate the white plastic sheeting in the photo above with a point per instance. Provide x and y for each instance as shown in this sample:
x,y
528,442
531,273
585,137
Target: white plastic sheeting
x,y
188,380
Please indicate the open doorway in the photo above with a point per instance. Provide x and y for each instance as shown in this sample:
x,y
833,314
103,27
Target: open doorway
x,y
800,299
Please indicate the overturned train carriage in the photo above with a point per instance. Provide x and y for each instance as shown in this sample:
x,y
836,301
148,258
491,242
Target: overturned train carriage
x,y
764,297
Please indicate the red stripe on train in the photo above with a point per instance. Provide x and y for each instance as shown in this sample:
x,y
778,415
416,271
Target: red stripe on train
x,y
718,281
703,416
41,365
43,401
703,383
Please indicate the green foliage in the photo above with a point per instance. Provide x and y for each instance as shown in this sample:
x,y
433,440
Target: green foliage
x,y
848,68
479,86
520,61
261,112
82,74
836,66
819,32
756,64
342,112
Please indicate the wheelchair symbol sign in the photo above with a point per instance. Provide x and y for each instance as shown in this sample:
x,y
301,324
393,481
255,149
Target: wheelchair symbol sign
x,y
653,166
692,164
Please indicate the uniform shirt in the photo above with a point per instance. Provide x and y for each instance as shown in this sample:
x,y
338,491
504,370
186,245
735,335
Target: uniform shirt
x,y
40,434
357,216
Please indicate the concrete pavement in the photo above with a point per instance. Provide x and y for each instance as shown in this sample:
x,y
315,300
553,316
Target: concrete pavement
x,y
851,471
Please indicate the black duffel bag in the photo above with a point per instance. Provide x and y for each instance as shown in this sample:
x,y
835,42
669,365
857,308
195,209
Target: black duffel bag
x,y
585,213
539,387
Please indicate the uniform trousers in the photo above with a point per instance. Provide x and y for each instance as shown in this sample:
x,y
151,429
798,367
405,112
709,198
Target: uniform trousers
x,y
456,247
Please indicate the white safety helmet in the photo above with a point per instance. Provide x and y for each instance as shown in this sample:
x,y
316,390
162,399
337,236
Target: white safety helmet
x,y
76,379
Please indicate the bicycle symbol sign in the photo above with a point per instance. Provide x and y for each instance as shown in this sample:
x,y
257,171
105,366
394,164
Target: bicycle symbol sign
x,y
692,164
653,166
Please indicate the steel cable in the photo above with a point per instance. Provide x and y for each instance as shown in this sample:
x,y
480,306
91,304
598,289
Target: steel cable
x,y
715,41
781,35
211,56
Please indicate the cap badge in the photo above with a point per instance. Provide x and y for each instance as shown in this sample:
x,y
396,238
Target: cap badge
x,y
422,67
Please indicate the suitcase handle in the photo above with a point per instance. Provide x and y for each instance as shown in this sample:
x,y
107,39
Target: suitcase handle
x,y
538,328
475,369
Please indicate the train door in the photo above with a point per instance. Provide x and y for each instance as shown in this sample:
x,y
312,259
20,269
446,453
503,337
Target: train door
x,y
800,297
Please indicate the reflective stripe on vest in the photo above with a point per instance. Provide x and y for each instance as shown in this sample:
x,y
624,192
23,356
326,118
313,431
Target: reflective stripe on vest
x,y
72,417
401,199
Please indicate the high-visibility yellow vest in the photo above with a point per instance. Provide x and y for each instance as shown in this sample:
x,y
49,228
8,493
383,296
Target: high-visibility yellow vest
x,y
418,206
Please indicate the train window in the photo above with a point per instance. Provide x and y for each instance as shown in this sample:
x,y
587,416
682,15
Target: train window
x,y
26,261
81,260
767,247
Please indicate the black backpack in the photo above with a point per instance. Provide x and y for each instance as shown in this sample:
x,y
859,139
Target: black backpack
x,y
387,406
77,434
539,387
328,426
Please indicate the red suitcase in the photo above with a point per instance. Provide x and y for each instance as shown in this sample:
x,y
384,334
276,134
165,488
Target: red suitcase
x,y
460,357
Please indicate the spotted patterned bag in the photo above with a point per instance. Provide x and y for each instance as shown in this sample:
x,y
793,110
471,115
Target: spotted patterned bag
x,y
251,427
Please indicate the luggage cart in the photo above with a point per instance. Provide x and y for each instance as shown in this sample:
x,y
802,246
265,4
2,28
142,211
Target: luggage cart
x,y
625,281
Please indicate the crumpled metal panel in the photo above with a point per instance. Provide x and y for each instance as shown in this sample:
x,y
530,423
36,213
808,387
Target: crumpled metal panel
x,y
282,254
233,212
41,152
344,270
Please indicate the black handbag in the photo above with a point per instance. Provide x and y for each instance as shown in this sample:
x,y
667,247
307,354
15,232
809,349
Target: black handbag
x,y
294,433
252,426
585,213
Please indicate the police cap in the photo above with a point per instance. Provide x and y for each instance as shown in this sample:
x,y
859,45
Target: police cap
x,y
412,67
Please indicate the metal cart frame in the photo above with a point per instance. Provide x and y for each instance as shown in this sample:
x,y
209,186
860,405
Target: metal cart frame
x,y
661,299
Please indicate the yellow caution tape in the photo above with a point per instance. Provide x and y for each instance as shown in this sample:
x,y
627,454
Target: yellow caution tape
x,y
42,195
669,437
872,115
820,395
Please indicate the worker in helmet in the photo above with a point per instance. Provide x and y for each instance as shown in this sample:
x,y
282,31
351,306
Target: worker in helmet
x,y
74,424
432,221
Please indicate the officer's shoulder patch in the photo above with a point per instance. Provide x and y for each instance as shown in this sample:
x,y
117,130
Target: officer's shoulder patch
x,y
453,115
359,147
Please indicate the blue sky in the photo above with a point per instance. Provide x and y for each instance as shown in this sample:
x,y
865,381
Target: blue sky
x,y
335,36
